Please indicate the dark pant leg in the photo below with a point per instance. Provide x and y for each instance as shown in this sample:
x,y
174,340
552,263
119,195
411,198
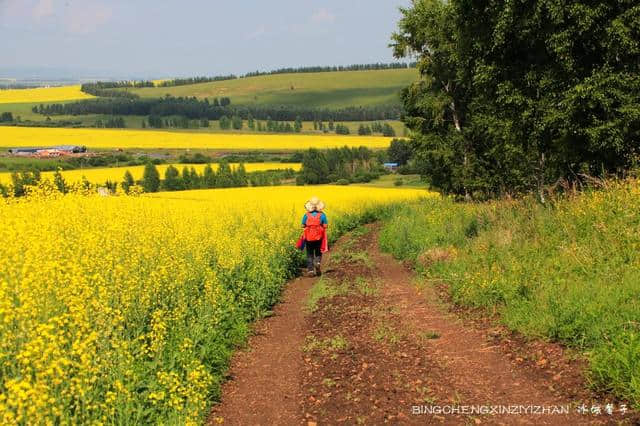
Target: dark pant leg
x,y
313,250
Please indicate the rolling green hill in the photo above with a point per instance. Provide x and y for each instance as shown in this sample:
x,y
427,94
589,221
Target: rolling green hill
x,y
323,89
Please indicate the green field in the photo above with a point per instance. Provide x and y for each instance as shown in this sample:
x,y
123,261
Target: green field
x,y
317,90
390,181
329,90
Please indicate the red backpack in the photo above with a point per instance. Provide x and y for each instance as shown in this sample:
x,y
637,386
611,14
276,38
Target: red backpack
x,y
313,231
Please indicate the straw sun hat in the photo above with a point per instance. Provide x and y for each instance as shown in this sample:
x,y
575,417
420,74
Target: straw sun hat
x,y
314,203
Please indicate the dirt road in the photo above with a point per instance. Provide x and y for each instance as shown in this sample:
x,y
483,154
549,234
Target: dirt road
x,y
366,345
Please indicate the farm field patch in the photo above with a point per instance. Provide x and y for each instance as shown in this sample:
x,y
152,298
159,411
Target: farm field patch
x,y
126,309
322,89
114,139
115,174
42,94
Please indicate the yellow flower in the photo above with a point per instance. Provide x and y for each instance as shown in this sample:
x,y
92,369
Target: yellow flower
x,y
116,305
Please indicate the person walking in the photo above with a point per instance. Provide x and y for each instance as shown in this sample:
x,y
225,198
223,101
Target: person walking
x,y
315,223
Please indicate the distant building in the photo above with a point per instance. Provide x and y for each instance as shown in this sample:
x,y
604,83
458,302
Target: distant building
x,y
393,167
23,151
76,149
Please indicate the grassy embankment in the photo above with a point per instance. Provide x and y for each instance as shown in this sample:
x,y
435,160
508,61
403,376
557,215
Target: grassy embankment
x,y
568,271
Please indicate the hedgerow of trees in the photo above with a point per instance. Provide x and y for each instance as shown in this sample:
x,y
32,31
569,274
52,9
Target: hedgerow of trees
x,y
276,126
193,108
194,80
516,96
111,123
102,88
189,178
105,88
355,67
376,127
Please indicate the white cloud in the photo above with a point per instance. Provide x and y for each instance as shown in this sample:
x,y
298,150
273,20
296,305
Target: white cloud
x,y
323,16
43,9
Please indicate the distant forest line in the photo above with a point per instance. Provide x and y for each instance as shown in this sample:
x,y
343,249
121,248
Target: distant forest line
x,y
193,108
102,88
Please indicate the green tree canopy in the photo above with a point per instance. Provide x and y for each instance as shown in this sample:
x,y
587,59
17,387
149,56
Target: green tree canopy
x,y
172,181
150,178
315,168
209,177
128,181
399,151
224,177
514,96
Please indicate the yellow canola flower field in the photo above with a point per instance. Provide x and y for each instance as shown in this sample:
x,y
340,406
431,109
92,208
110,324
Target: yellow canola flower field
x,y
99,176
125,310
152,139
42,94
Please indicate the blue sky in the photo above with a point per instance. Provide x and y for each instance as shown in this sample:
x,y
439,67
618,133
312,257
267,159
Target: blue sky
x,y
193,37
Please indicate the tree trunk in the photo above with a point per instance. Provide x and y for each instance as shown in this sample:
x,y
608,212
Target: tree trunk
x,y
540,178
456,123
456,119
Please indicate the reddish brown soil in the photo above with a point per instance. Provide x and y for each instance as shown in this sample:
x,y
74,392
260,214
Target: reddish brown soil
x,y
264,381
382,350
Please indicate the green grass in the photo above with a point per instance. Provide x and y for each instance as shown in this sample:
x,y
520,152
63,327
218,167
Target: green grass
x,y
346,255
366,287
20,163
334,343
568,271
324,288
389,181
384,332
325,89
22,110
